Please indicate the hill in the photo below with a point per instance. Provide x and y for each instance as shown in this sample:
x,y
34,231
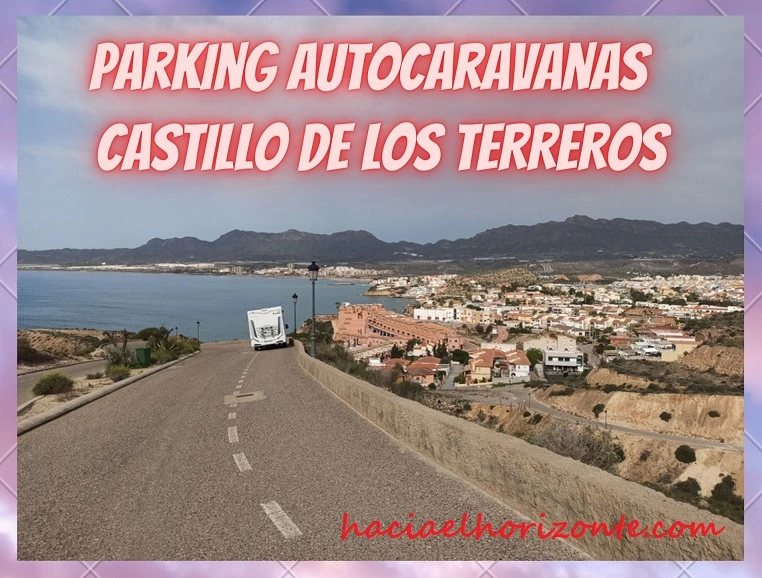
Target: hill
x,y
577,237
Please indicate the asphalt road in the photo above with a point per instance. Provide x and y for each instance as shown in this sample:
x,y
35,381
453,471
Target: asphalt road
x,y
518,394
163,469
26,382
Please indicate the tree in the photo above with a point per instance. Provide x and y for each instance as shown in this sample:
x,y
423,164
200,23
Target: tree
x,y
685,454
637,295
598,409
460,356
397,352
411,344
534,355
440,349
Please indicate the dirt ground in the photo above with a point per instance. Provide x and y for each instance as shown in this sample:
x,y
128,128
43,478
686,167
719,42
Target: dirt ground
x,y
81,387
646,459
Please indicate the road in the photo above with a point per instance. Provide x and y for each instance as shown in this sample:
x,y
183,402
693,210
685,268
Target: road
x,y
592,356
163,469
518,395
26,382
455,370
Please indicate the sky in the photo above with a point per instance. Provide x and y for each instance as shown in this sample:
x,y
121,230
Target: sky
x,y
64,201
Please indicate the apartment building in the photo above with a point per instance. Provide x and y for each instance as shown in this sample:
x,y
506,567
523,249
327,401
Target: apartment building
x,y
374,324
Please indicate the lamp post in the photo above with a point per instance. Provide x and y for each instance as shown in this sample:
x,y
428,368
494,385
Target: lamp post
x,y
198,332
176,332
295,298
313,270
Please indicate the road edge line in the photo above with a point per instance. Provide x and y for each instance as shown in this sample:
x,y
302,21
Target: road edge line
x,y
38,420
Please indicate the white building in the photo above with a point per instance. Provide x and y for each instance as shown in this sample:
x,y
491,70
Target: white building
x,y
563,362
436,314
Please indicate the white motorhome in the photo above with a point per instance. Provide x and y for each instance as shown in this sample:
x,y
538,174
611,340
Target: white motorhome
x,y
266,328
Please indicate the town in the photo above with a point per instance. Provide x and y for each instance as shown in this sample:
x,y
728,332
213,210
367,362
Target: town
x,y
573,325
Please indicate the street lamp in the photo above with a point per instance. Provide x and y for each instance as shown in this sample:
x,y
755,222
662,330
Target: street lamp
x,y
313,270
198,332
295,298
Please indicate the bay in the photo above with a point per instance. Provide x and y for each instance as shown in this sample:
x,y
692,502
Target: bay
x,y
115,300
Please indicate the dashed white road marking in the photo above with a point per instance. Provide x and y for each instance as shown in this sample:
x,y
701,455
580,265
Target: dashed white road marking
x,y
281,520
233,434
238,386
233,405
241,462
231,415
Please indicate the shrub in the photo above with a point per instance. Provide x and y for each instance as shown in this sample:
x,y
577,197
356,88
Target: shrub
x,y
645,455
598,409
119,356
536,418
163,355
432,386
467,406
714,413
117,372
96,375
480,416
51,383
187,346
685,454
25,353
665,415
565,391
725,502
527,413
589,445
686,491
407,389
146,333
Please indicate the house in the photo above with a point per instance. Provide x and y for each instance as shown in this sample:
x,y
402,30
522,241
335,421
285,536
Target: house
x,y
425,370
515,365
563,362
486,364
557,343
481,364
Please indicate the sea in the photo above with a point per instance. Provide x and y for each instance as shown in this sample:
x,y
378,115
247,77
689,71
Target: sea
x,y
122,300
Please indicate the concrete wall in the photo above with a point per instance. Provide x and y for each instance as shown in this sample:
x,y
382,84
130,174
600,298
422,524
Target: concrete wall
x,y
530,479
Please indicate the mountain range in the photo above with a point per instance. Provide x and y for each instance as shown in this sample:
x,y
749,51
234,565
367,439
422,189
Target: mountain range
x,y
577,237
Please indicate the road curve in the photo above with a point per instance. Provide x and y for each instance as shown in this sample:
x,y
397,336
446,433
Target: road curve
x,y
517,394
164,470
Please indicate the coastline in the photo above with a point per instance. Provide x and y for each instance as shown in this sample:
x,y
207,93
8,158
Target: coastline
x,y
54,269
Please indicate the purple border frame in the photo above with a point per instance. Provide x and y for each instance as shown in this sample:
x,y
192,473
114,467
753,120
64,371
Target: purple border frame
x,y
750,9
